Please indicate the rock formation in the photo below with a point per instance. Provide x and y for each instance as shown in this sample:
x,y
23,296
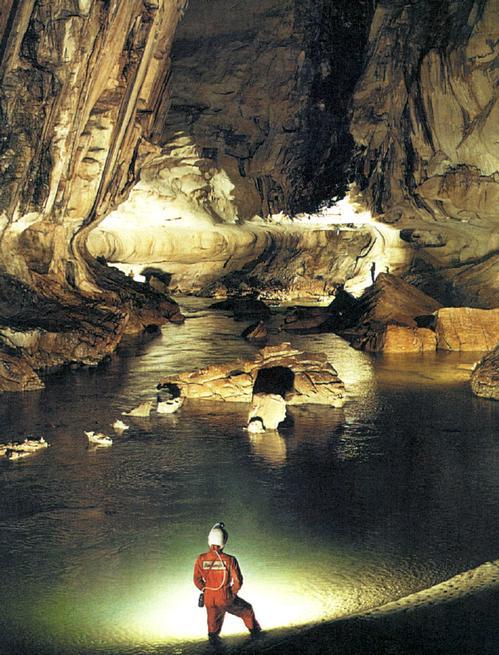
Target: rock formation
x,y
82,85
485,377
465,328
425,117
259,125
385,318
300,377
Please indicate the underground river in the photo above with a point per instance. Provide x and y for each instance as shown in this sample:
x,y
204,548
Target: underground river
x,y
344,510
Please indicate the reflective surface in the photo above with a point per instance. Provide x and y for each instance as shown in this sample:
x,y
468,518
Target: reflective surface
x,y
345,509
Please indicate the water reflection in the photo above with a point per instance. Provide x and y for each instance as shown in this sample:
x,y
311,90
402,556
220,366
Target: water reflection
x,y
339,511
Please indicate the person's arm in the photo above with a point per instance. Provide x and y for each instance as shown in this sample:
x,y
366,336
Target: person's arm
x,y
198,578
236,576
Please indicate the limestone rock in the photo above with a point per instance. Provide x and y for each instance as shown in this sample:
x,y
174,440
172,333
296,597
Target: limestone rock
x,y
465,328
255,332
243,308
485,377
398,339
270,408
299,377
305,320
385,317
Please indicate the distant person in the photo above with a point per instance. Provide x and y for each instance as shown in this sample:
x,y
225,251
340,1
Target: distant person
x,y
218,577
373,271
387,268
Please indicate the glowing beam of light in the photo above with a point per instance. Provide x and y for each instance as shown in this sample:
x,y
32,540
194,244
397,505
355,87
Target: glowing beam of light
x,y
172,613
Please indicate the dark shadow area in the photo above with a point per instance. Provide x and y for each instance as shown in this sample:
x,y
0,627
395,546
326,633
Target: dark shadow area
x,y
276,379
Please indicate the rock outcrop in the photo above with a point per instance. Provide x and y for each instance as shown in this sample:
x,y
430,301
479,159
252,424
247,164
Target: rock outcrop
x,y
465,328
300,377
425,115
388,317
485,377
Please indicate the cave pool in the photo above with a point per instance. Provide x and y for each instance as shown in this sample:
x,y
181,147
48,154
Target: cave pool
x,y
344,510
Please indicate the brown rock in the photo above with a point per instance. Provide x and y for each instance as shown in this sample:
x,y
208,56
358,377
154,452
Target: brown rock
x,y
466,328
17,375
408,340
485,377
299,377
255,332
386,317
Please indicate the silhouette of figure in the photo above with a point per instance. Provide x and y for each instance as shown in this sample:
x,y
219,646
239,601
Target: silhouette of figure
x,y
373,271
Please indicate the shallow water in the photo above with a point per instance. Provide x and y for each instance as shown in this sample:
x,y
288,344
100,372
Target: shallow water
x,y
344,510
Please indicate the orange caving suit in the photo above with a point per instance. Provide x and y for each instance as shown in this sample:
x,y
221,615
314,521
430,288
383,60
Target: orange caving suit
x,y
220,577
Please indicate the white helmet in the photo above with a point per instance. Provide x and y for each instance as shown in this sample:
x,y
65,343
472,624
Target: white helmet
x,y
218,535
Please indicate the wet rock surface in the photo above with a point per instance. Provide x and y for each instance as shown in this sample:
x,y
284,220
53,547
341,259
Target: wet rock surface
x,y
255,332
466,328
305,378
385,317
485,377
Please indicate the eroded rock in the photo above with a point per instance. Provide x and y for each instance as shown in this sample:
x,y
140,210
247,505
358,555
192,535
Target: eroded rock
x,y
466,328
485,377
425,115
301,377
270,408
17,375
387,316
255,332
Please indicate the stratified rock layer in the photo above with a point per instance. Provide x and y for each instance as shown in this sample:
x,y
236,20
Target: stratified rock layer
x,y
485,377
314,378
465,328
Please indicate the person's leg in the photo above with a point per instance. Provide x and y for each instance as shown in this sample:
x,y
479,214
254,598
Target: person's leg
x,y
215,619
244,611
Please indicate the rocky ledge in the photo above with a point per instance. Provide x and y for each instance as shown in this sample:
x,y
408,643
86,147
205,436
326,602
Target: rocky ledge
x,y
46,329
299,377
485,377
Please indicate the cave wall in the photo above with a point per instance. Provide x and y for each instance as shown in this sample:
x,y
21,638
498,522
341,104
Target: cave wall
x,y
424,120
258,120
81,82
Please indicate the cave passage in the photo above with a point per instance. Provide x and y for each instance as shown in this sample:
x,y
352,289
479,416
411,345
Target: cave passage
x,y
276,379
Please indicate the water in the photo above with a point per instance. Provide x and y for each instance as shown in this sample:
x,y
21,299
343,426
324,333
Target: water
x,y
344,510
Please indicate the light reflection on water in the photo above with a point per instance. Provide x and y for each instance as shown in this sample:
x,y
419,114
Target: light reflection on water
x,y
343,510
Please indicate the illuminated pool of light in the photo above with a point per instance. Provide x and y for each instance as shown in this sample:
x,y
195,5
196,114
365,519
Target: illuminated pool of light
x,y
343,510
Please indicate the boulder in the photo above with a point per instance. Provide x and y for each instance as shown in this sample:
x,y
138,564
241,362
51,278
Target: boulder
x,y
281,369
400,339
243,308
255,332
388,317
305,320
485,377
270,408
466,328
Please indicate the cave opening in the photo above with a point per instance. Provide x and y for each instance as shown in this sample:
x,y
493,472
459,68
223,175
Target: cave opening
x,y
279,380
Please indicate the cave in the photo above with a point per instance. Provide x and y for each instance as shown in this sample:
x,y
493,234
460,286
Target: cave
x,y
275,379
172,168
